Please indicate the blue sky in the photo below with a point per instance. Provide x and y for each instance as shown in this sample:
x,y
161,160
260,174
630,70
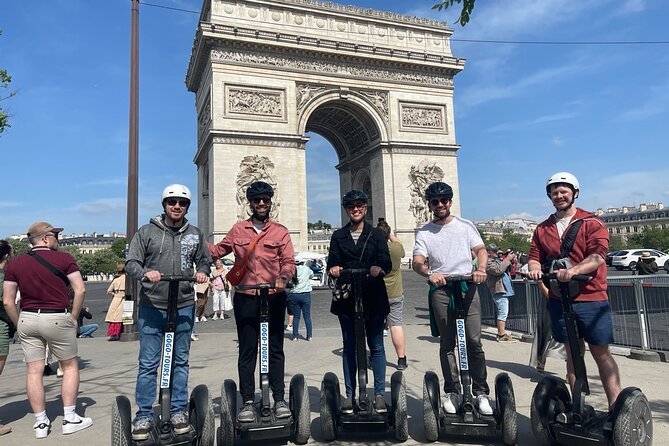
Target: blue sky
x,y
522,111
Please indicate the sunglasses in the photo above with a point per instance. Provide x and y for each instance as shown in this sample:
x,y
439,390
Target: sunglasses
x,y
258,200
436,201
51,235
351,207
174,201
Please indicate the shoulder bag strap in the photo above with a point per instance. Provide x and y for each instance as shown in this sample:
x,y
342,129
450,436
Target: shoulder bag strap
x,y
570,238
50,267
252,245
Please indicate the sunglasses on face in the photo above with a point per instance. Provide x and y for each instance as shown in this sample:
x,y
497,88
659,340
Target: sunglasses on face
x,y
258,200
51,235
174,201
436,201
354,206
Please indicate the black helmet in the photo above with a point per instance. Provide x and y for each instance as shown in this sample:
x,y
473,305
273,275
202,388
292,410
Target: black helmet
x,y
352,196
438,189
259,188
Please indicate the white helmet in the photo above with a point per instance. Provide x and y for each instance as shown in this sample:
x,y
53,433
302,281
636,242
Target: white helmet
x,y
176,191
562,177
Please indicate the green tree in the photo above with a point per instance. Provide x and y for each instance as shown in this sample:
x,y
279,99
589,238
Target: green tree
x,y
104,261
18,247
5,79
119,248
509,240
465,13
656,238
616,243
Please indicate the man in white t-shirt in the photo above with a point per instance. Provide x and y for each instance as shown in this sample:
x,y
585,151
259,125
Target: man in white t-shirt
x,y
447,244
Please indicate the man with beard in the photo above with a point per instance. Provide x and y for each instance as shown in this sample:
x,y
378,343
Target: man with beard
x,y
587,256
168,245
267,250
448,242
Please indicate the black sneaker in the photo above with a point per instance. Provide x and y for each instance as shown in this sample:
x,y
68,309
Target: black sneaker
x,y
281,409
347,405
247,414
141,429
402,363
380,404
180,423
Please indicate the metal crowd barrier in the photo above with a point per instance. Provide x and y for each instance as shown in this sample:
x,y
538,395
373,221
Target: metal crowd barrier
x,y
639,307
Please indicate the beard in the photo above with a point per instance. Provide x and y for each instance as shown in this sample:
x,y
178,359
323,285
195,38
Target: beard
x,y
261,215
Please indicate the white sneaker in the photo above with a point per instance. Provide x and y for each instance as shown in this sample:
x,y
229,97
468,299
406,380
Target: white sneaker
x,y
193,337
483,404
215,318
197,319
42,429
450,402
203,319
76,425
289,328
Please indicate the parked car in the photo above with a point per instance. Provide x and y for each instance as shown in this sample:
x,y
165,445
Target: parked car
x,y
628,258
609,257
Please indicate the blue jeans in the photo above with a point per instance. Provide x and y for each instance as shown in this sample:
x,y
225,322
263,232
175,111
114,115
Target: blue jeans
x,y
151,322
85,331
377,353
301,303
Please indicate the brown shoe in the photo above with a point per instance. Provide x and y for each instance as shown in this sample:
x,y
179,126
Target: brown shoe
x,y
5,429
506,338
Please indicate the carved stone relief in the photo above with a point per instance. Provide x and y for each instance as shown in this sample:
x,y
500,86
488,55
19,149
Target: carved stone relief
x,y
379,100
420,177
264,103
255,168
425,117
204,117
305,93
310,64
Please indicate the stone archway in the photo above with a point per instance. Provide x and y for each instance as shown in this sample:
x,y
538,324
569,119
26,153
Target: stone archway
x,y
377,85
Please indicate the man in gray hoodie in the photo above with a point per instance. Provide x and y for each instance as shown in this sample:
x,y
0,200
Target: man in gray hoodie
x,y
168,245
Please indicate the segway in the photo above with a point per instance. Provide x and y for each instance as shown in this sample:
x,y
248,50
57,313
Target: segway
x,y
200,407
561,418
467,420
364,417
266,425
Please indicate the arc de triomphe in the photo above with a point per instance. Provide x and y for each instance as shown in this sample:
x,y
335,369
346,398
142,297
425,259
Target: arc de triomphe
x,y
377,85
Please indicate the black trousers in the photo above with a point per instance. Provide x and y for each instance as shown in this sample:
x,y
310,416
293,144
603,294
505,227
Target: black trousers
x,y
247,316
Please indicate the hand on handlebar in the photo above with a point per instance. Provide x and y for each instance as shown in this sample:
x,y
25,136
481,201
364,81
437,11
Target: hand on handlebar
x,y
201,277
535,275
374,271
153,276
280,283
437,279
335,271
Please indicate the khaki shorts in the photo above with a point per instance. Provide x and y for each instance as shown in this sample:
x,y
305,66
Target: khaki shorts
x,y
4,338
394,318
57,330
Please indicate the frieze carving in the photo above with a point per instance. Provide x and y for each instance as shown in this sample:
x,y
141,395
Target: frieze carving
x,y
420,177
379,100
255,168
424,117
254,102
240,141
335,67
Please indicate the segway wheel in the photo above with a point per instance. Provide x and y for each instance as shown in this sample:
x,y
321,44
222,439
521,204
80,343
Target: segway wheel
x,y
398,389
330,406
633,424
121,433
227,431
550,398
506,407
431,399
299,406
201,414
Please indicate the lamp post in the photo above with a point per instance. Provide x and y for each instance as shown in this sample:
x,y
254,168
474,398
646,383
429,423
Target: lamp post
x,y
130,331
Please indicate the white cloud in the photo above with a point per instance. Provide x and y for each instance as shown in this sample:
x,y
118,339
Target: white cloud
x,y
557,141
8,204
102,206
540,120
108,181
655,104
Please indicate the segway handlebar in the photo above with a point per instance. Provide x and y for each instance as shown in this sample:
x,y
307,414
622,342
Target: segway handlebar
x,y
455,278
173,279
577,277
260,286
360,271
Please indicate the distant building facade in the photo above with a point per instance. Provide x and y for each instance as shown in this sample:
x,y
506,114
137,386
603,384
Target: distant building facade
x,y
318,240
87,243
629,220
495,228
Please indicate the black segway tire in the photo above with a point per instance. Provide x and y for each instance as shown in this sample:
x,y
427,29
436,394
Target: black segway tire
x,y
121,432
633,423
431,399
330,406
506,407
201,414
299,406
550,398
398,389
227,430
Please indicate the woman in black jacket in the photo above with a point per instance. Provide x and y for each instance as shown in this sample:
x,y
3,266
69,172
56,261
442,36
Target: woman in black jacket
x,y
359,245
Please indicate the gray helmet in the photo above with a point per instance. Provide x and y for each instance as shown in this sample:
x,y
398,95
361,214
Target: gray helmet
x,y
259,188
352,196
438,189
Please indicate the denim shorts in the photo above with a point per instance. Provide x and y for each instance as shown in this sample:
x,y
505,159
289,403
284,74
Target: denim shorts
x,y
593,319
502,304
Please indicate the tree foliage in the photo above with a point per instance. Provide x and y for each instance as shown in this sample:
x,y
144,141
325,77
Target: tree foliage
x,y
656,238
465,13
118,247
320,224
18,247
509,240
5,79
